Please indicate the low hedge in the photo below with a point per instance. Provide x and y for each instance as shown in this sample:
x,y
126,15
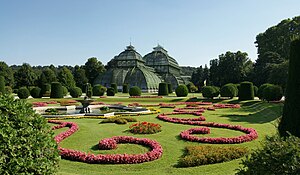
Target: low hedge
x,y
135,91
229,90
210,91
99,90
182,91
246,91
75,92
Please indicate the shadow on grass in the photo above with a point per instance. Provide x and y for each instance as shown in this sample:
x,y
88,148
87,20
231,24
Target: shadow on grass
x,y
95,147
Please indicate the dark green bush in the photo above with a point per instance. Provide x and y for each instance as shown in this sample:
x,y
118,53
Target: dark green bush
x,y
255,89
210,91
260,91
246,91
75,92
229,90
170,88
125,88
135,91
110,91
35,92
163,89
45,90
203,155
273,93
56,90
114,85
277,155
23,93
27,144
99,90
2,85
65,90
181,91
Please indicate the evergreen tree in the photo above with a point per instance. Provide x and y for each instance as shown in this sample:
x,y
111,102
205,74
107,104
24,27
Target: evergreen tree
x,y
93,68
66,78
25,76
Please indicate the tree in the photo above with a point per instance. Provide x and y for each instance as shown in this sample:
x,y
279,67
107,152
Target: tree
x,y
93,68
66,78
7,73
25,76
290,119
47,77
279,74
198,77
80,77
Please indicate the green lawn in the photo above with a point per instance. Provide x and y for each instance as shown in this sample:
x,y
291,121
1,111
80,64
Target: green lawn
x,y
255,114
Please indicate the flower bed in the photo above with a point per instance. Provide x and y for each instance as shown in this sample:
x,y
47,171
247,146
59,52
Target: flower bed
x,y
39,104
145,128
108,143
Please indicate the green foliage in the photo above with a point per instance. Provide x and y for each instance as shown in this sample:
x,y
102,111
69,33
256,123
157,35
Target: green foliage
x,y
181,91
278,155
114,85
99,90
260,92
199,76
246,91
65,77
27,145
80,77
170,88
25,76
125,88
135,91
45,90
23,93
272,93
93,68
8,90
203,155
110,91
7,73
290,119
56,90
229,90
210,91
163,89
65,90
2,85
47,77
88,90
255,89
75,92
35,92
279,73
191,87
119,120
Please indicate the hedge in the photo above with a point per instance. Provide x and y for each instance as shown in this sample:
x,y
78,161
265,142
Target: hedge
x,y
23,93
99,90
182,91
163,89
260,91
110,91
56,90
272,93
170,88
35,92
114,85
210,91
125,88
229,90
45,90
75,92
135,91
246,91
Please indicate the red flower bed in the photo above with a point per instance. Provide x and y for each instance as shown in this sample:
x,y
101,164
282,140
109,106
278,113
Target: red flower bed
x,y
108,143
39,104
51,102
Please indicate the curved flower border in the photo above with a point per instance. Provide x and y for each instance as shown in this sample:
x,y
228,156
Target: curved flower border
x,y
108,143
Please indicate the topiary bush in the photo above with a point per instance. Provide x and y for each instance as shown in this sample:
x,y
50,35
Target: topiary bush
x,y
210,91
2,85
110,91
56,90
65,90
229,90
246,91
75,92
23,93
170,88
135,91
272,93
125,88
99,90
163,89
27,144
260,91
35,92
277,155
182,91
114,85
45,90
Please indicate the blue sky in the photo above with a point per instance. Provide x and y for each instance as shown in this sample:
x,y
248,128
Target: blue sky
x,y
68,32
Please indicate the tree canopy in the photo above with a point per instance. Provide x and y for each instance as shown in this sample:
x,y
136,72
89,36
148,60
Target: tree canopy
x,y
25,76
93,68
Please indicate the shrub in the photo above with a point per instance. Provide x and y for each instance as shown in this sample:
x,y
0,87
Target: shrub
x,y
114,85
246,91
163,89
2,85
255,89
110,91
65,90
145,128
229,90
27,144
56,90
272,93
182,91
8,90
277,155
75,92
203,155
99,90
170,88
260,91
210,91
35,92
45,90
125,88
135,91
23,93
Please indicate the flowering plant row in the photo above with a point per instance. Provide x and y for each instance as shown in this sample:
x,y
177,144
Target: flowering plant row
x,y
145,128
188,110
108,143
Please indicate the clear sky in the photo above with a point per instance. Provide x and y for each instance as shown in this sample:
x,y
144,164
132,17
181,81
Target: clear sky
x,y
68,32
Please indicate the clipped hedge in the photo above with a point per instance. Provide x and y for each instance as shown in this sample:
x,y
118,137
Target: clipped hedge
x,y
246,91
170,88
181,91
75,92
210,91
114,85
135,91
110,91
229,90
35,92
272,93
125,88
163,89
23,93
56,90
99,90
260,91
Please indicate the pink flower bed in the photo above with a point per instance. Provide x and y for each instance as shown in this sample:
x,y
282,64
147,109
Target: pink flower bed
x,y
51,102
39,104
108,143
188,110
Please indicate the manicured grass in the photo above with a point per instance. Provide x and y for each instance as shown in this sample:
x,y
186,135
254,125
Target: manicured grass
x,y
255,114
